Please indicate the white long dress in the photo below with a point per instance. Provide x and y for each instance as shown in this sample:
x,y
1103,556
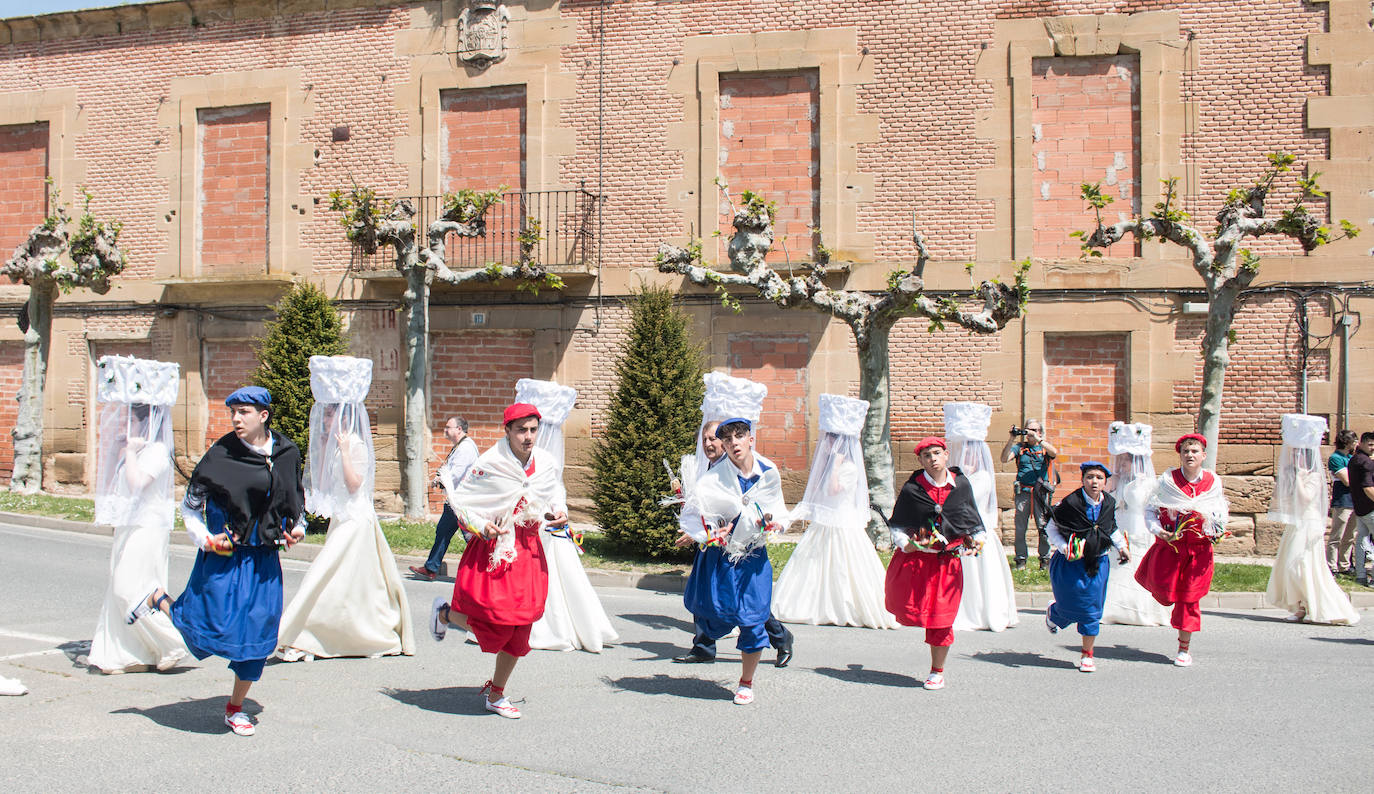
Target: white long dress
x,y
138,565
352,601
989,599
1127,602
573,616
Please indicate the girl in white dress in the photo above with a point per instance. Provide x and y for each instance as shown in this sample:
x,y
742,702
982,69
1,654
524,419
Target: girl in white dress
x,y
989,602
834,575
1300,582
573,616
133,493
352,602
1134,483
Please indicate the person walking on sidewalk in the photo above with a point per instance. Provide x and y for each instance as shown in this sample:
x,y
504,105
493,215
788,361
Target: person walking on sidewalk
x,y
1033,454
460,457
1360,471
1340,540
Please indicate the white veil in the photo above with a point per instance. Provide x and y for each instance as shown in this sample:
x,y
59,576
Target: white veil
x,y
339,385
837,488
1300,485
1134,474
966,433
136,396
554,402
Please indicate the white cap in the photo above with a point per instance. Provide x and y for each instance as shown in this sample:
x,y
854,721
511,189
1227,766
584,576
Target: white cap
x,y
1129,439
340,379
554,402
125,379
968,421
842,415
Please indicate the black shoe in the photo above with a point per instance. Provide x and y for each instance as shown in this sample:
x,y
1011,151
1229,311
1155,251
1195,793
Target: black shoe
x,y
1020,564
784,656
692,658
1044,563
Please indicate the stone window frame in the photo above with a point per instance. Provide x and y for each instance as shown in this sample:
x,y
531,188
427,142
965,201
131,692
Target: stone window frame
x,y
842,67
1155,37
533,60
58,108
288,157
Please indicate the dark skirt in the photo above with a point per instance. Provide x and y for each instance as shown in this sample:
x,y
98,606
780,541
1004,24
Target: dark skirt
x,y
232,606
740,594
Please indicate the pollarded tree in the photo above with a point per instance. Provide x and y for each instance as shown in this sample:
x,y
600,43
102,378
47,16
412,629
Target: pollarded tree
x,y
1225,267
869,315
307,324
372,223
53,259
653,416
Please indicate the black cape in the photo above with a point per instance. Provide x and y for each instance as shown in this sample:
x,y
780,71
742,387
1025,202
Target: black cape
x,y
958,517
1071,516
251,489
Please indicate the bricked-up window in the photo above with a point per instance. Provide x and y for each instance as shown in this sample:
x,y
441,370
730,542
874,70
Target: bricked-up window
x,y
1085,127
1085,384
232,213
482,147
23,174
778,361
11,375
770,144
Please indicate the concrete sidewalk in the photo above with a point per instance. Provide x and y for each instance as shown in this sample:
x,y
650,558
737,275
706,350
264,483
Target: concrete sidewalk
x,y
670,583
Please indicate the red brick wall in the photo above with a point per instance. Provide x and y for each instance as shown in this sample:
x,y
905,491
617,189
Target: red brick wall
x,y
11,376
1086,390
482,147
473,375
770,144
23,171
1264,379
778,361
1085,128
228,364
930,369
233,188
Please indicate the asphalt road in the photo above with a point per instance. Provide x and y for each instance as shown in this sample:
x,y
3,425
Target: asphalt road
x,y
1269,706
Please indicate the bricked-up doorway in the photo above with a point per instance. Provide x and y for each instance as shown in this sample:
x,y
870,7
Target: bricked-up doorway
x,y
1086,390
473,375
770,144
23,173
11,377
482,147
231,213
1085,127
226,365
778,361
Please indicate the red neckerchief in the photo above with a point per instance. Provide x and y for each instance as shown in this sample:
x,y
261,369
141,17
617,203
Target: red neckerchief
x,y
937,493
1192,489
529,470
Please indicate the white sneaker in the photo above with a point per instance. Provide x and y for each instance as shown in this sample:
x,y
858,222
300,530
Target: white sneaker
x,y
438,629
1049,624
744,695
239,723
1184,659
1087,664
935,681
503,707
12,686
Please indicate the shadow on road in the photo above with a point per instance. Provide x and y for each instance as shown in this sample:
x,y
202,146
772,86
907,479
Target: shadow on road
x,y
857,674
661,684
446,700
1021,659
1346,640
205,715
661,650
1125,653
1246,616
662,622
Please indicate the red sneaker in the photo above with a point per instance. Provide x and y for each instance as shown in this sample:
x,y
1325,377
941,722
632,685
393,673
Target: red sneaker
x,y
423,573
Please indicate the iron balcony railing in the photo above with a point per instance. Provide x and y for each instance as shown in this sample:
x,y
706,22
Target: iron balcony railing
x,y
567,224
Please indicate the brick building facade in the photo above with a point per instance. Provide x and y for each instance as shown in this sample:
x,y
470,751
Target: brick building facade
x,y
215,130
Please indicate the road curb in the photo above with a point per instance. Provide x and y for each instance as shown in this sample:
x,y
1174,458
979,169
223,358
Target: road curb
x,y
659,582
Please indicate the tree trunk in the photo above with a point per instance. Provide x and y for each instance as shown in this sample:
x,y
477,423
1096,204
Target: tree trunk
x,y
1221,311
414,482
877,432
28,429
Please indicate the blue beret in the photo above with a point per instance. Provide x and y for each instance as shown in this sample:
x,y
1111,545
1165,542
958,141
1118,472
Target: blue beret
x,y
250,395
1092,464
736,420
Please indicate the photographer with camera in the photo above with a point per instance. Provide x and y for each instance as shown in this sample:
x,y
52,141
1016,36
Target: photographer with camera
x,y
1032,490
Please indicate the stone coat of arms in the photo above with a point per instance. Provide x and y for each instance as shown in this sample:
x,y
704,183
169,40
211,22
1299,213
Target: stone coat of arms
x,y
482,31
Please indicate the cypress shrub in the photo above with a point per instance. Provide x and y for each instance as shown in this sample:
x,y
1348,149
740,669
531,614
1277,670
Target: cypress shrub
x,y
308,324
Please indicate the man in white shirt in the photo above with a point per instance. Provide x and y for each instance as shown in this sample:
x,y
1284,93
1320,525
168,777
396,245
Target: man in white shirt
x,y
454,468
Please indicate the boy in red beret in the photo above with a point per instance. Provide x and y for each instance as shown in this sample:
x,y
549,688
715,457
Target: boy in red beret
x,y
934,521
1188,512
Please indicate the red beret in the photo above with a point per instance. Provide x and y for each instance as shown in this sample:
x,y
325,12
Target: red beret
x,y
1198,437
931,441
519,411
